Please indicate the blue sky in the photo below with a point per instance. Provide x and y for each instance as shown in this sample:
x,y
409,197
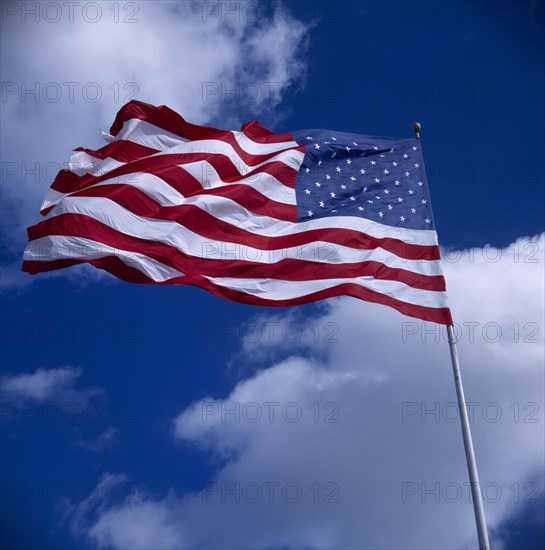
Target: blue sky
x,y
117,400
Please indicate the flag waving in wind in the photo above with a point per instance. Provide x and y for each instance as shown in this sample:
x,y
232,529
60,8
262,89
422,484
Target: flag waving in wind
x,y
249,215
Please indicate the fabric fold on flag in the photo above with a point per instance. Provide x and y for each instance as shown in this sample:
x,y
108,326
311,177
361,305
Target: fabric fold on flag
x,y
250,215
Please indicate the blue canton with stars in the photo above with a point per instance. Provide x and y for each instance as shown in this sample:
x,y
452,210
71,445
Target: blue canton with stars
x,y
381,179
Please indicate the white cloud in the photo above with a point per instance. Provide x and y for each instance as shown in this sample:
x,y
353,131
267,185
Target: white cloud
x,y
363,479
56,385
209,65
104,440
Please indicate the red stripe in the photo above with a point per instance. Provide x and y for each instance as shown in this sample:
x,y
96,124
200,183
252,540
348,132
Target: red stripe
x,y
206,225
139,203
165,118
67,181
119,269
77,225
111,264
172,122
122,151
434,315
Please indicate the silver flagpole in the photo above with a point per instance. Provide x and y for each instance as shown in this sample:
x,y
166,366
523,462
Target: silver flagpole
x,y
468,446
466,430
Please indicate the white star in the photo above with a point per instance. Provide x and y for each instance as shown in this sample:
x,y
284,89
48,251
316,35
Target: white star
x,y
416,165
332,195
427,220
420,184
365,189
386,171
348,161
411,192
375,148
308,137
343,186
392,150
318,184
397,182
399,199
407,174
402,218
370,201
334,155
347,148
310,213
390,207
319,163
338,169
415,148
405,156
307,191
381,214
316,146
394,163
327,177
307,170
386,192
333,138
413,210
377,180
360,208
377,197
352,178
355,143
362,171
424,201
322,204
352,198
373,162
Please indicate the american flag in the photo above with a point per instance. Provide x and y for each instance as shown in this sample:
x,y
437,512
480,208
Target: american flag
x,y
249,215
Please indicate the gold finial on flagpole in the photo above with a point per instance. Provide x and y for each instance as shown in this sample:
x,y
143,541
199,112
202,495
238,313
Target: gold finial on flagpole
x,y
416,128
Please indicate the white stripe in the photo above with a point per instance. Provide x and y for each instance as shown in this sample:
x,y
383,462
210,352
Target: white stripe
x,y
233,213
56,247
149,135
290,157
263,182
256,148
164,194
277,289
82,163
193,244
156,188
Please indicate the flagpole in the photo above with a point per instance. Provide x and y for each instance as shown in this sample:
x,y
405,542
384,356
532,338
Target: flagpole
x,y
478,507
468,445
